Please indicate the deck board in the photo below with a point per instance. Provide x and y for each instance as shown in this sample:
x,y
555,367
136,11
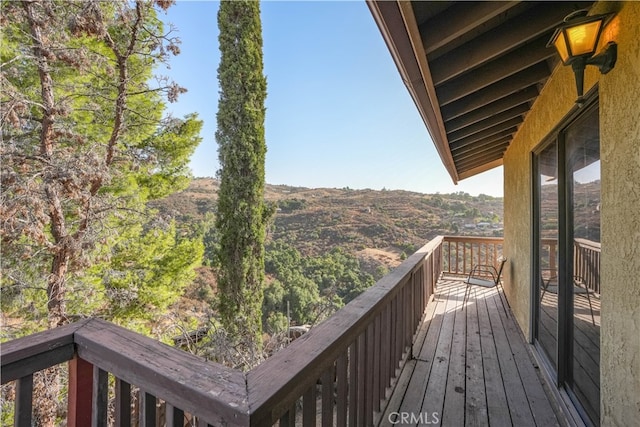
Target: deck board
x,y
497,404
475,410
434,397
414,394
472,366
455,397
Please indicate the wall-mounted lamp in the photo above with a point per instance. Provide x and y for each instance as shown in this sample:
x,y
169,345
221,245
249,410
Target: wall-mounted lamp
x,y
576,41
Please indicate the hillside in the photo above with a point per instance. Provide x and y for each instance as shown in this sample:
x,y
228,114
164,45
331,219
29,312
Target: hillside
x,y
379,227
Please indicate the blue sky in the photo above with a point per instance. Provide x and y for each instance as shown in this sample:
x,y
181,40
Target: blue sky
x,y
338,114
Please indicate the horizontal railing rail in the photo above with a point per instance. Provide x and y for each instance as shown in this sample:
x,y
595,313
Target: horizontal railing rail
x,y
338,373
460,254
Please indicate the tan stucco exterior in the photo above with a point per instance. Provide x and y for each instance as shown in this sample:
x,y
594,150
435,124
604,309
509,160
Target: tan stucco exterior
x,y
619,93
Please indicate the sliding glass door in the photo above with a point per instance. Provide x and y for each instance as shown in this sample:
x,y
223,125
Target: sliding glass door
x,y
567,261
547,327
583,189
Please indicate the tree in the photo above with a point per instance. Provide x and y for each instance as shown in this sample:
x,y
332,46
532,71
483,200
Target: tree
x,y
85,144
149,267
242,214
315,287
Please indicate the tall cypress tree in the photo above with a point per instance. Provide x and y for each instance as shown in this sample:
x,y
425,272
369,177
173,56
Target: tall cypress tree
x,y
242,214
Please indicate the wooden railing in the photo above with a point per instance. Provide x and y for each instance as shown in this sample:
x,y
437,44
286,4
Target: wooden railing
x,y
549,254
95,348
338,373
586,262
460,254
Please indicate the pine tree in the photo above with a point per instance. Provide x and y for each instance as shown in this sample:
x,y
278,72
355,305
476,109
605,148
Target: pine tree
x,y
84,145
242,214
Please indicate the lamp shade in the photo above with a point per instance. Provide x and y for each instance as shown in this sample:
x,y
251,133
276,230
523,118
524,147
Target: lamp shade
x,y
578,36
583,38
576,40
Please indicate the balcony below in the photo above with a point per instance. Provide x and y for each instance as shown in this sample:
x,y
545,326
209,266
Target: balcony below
x,y
470,365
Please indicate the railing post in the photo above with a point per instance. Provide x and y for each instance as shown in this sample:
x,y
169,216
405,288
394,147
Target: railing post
x,y
24,401
147,409
123,403
80,392
99,413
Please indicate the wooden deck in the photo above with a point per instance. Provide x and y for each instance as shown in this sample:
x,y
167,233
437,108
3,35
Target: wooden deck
x,y
470,366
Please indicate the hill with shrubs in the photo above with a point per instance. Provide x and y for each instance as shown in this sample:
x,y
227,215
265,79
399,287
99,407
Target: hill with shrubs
x,y
324,246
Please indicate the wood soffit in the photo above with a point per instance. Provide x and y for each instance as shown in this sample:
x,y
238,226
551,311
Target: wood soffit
x,y
473,69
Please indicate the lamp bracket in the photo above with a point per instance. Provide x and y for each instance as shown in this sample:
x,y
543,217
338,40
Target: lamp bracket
x,y
605,60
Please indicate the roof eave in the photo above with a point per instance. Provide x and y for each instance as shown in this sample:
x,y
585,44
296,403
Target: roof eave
x,y
397,23
483,168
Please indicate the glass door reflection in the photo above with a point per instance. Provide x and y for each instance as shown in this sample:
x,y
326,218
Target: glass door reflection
x,y
583,165
547,324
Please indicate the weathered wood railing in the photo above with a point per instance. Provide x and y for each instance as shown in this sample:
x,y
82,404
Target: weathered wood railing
x,y
95,348
586,262
361,346
460,254
549,254
338,372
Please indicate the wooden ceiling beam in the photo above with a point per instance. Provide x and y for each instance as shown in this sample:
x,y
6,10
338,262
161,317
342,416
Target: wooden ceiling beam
x,y
463,148
502,117
498,41
486,157
458,20
467,173
501,105
480,166
482,160
486,146
492,130
525,78
507,65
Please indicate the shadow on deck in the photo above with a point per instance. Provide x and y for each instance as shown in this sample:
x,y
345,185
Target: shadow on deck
x,y
470,365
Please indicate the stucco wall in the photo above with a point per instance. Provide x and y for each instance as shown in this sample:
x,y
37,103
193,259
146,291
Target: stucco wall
x,y
620,218
620,209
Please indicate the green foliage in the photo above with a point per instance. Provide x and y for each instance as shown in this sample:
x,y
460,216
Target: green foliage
x,y
172,145
277,323
314,287
472,212
147,271
285,264
242,215
289,205
339,272
86,145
